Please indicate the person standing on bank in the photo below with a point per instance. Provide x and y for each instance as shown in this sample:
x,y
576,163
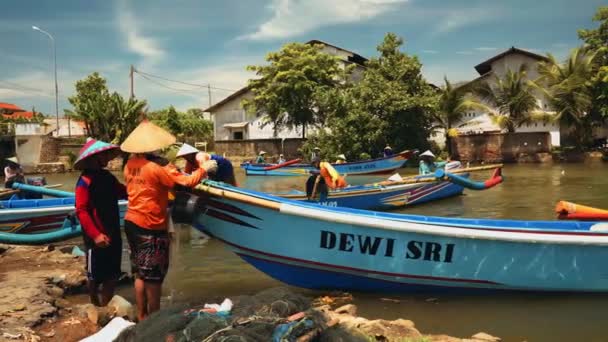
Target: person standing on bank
x,y
148,186
97,195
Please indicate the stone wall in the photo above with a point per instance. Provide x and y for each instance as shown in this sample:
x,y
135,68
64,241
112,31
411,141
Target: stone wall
x,y
507,147
49,149
250,148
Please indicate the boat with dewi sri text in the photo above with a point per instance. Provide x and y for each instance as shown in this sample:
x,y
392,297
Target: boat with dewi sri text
x,y
312,246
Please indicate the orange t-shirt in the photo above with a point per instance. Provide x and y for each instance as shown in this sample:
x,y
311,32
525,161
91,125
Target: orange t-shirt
x,y
148,186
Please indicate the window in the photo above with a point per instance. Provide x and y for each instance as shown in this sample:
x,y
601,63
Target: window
x,y
237,135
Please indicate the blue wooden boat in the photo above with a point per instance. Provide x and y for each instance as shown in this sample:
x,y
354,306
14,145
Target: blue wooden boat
x,y
384,196
318,247
40,221
365,167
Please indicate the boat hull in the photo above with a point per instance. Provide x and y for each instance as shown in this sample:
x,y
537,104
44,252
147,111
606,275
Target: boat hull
x,y
41,221
370,197
367,167
319,247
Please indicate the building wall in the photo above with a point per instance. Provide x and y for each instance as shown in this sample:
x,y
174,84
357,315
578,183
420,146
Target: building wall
x,y
502,147
251,148
230,112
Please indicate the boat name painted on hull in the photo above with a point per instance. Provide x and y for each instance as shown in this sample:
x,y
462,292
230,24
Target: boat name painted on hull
x,y
415,250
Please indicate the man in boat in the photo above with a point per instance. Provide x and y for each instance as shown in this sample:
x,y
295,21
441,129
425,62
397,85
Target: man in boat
x,y
281,159
261,159
97,195
146,224
341,159
388,151
326,178
428,165
13,172
315,154
193,157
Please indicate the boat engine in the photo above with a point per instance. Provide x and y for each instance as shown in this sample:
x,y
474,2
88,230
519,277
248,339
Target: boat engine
x,y
186,207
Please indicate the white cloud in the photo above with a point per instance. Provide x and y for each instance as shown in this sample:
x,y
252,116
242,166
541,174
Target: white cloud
x,y
293,17
485,48
430,51
457,19
146,47
464,52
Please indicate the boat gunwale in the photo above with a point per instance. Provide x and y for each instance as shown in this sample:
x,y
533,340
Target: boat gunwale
x,y
568,232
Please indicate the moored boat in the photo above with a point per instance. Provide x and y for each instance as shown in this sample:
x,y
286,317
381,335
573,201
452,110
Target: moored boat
x,y
318,247
364,167
40,221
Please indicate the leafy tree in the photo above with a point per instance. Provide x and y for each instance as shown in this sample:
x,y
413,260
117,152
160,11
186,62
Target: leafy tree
x,y
288,88
569,92
453,104
390,105
188,126
596,41
108,117
513,96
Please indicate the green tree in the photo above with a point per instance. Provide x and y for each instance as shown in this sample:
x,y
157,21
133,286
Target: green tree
x,y
567,88
189,126
392,104
513,96
596,42
453,104
108,117
288,88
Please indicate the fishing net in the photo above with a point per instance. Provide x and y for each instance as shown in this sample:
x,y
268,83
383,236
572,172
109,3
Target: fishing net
x,y
276,314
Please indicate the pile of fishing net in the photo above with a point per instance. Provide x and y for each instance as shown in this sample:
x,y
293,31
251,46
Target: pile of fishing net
x,y
276,314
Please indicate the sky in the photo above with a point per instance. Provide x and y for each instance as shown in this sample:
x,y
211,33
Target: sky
x,y
201,42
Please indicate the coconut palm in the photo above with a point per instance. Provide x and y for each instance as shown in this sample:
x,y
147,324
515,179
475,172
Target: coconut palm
x,y
568,90
126,115
454,103
512,96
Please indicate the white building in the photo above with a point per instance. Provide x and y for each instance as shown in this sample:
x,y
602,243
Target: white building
x,y
232,122
497,66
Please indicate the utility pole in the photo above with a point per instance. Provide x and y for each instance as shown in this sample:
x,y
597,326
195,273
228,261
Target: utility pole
x,y
132,70
209,93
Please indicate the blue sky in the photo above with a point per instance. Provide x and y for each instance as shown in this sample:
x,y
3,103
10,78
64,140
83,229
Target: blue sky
x,y
203,42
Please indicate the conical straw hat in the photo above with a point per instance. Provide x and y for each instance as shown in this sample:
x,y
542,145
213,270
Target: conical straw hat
x,y
185,150
147,137
93,147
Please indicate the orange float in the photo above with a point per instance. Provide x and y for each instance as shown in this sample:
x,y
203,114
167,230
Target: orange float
x,y
572,211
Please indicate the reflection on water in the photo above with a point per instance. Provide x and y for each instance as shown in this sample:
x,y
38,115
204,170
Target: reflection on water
x,y
205,269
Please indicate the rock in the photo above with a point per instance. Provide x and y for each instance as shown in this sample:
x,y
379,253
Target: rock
x,y
58,279
406,323
62,303
121,307
55,291
349,309
12,336
49,248
104,315
482,336
4,248
19,307
90,312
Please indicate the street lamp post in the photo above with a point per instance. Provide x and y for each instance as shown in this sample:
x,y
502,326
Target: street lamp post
x,y
36,28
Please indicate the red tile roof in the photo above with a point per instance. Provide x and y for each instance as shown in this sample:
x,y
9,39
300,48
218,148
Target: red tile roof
x,y
19,115
10,106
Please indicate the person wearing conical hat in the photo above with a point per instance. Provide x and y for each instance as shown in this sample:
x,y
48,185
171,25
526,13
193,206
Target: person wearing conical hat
x,y
146,224
281,159
96,202
341,159
388,151
260,159
193,157
428,165
13,172
316,153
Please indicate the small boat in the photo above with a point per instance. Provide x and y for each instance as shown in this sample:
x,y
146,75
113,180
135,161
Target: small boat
x,y
407,192
40,221
365,167
318,247
572,211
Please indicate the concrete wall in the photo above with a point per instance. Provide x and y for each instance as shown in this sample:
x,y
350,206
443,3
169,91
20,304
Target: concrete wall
x,y
503,147
28,150
251,148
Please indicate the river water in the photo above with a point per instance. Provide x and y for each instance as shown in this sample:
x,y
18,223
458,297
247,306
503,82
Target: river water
x,y
203,269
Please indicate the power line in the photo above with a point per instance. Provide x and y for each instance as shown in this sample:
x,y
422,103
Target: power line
x,y
181,82
168,87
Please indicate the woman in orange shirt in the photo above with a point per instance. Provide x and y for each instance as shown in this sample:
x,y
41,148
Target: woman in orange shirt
x,y
148,186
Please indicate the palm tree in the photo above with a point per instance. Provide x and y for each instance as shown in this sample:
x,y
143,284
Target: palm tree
x,y
126,115
513,98
454,102
568,91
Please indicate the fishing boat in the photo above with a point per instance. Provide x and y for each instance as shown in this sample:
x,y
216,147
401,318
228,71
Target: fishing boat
x,y
572,211
366,167
320,247
40,221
